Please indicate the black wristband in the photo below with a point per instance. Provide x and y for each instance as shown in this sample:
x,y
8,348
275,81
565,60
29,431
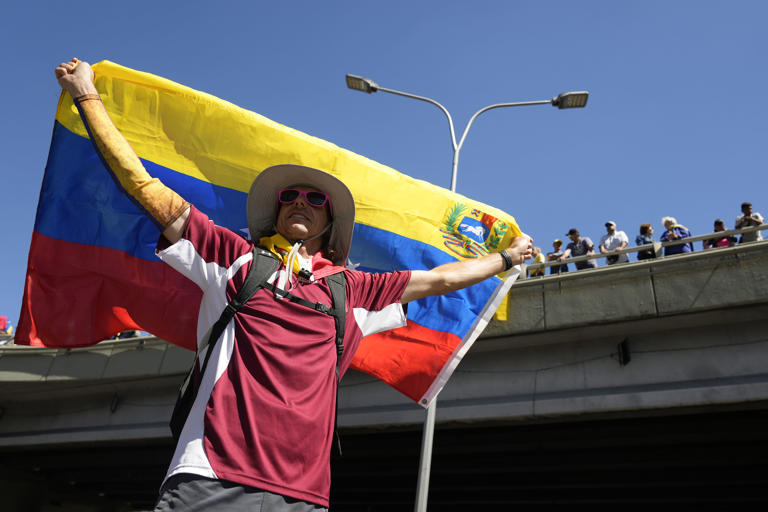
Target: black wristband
x,y
508,263
86,97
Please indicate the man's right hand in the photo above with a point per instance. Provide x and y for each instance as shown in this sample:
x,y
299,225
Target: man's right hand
x,y
76,77
164,205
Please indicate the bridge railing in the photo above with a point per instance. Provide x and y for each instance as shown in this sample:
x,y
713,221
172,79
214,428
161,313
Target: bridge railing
x,y
657,247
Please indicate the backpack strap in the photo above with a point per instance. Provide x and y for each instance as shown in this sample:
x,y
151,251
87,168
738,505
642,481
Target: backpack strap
x,y
263,266
285,294
338,285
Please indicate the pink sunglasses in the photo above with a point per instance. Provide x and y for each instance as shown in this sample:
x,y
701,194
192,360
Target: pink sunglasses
x,y
311,197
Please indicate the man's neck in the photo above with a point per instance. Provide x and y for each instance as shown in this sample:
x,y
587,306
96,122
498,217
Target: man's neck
x,y
309,249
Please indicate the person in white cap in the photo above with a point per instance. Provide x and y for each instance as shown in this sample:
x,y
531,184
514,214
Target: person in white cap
x,y
259,435
613,240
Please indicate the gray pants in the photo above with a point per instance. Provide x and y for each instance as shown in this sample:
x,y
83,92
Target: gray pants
x,y
193,493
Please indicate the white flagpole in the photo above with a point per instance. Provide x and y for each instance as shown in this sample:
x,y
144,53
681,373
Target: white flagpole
x,y
425,465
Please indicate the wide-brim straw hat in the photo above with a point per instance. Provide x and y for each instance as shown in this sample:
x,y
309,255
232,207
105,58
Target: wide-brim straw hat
x,y
262,206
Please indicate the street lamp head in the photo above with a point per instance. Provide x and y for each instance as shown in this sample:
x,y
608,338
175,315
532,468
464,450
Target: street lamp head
x,y
361,84
573,99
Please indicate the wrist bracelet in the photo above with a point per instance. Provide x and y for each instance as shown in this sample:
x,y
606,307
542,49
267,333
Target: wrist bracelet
x,y
86,97
508,263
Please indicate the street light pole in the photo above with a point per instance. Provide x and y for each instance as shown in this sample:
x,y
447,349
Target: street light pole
x,y
576,99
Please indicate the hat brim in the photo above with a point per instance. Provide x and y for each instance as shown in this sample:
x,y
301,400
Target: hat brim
x,y
262,204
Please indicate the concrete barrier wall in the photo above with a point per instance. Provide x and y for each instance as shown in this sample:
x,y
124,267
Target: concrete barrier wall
x,y
700,281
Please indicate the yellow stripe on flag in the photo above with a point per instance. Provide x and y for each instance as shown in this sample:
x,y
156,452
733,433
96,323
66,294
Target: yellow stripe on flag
x,y
229,146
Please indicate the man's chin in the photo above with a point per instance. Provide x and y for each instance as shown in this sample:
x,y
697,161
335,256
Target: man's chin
x,y
299,232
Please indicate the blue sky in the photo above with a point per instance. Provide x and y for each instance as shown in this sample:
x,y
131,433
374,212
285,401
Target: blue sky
x,y
676,121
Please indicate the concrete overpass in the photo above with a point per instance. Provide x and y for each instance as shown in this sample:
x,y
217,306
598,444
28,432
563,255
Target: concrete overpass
x,y
604,379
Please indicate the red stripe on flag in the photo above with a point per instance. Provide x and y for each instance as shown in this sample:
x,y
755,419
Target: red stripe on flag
x,y
76,295
409,358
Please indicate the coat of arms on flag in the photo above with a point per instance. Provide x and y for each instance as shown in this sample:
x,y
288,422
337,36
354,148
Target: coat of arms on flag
x,y
471,232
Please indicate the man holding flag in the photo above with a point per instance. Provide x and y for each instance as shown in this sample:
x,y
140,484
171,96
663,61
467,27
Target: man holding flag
x,y
260,431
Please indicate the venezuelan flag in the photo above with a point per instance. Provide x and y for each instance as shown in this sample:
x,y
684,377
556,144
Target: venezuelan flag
x,y
92,271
